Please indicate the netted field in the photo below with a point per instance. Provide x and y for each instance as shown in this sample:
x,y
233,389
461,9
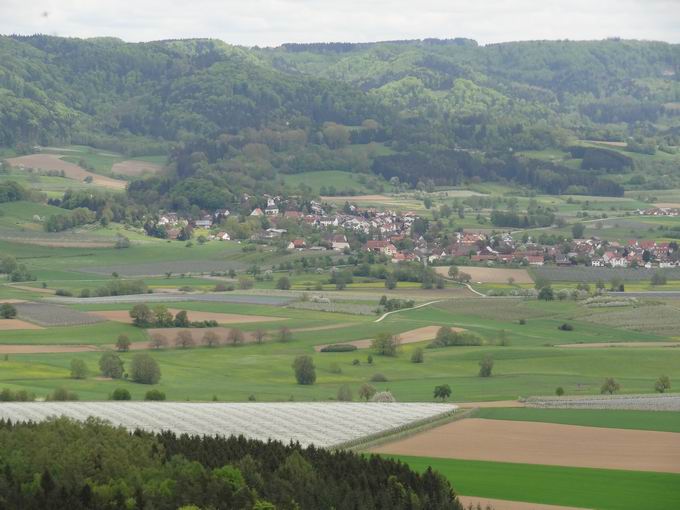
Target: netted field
x,y
45,314
160,268
592,274
662,402
321,424
657,319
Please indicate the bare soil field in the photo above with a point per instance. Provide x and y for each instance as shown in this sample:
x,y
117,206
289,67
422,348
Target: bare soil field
x,y
11,324
672,205
604,142
544,443
71,170
133,168
221,318
600,345
408,337
490,274
504,504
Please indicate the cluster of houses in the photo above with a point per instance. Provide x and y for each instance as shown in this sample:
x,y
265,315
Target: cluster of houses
x,y
386,230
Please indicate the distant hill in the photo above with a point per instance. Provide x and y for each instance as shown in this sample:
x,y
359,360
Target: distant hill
x,y
424,110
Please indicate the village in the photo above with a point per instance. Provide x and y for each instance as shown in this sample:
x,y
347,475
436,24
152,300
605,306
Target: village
x,y
403,236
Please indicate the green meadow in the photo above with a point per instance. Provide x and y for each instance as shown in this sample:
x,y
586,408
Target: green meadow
x,y
666,421
599,489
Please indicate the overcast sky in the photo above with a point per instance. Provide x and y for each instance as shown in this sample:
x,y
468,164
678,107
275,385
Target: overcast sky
x,y
272,22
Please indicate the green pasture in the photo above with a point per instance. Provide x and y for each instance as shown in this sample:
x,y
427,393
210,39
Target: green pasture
x,y
600,489
664,421
341,181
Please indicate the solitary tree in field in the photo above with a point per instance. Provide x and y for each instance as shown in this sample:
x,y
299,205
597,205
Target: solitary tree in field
x,y
184,339
7,311
366,392
559,391
111,365
141,315
305,371
385,344
663,384
610,386
235,336
123,343
486,366
442,392
78,369
284,335
577,230
210,339
418,355
144,369
158,341
162,317
283,283
453,271
259,335
182,319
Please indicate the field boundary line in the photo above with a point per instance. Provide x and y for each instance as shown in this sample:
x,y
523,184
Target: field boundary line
x,y
387,436
379,319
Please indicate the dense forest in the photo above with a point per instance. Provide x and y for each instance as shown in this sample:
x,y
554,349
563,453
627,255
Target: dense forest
x,y
426,112
81,466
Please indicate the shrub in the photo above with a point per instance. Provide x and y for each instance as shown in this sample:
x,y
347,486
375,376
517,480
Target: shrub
x,y
284,335
62,395
565,327
78,369
144,369
305,371
339,348
485,366
418,355
121,394
63,292
7,395
154,395
446,337
383,396
378,377
283,283
369,359
366,392
522,322
559,391
8,311
111,365
356,362
344,393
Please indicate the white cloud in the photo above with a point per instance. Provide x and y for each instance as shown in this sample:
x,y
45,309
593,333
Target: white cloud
x,y
272,22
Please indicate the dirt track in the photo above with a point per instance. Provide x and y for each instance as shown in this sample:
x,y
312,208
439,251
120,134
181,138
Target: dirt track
x,y
71,170
545,443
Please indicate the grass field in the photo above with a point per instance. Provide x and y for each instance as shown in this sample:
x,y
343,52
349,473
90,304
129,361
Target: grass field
x,y
640,420
341,181
600,489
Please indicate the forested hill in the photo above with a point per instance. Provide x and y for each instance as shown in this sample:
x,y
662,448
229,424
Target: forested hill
x,y
436,110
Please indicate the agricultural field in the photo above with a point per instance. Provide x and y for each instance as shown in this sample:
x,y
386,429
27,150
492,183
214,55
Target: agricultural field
x,y
324,424
491,274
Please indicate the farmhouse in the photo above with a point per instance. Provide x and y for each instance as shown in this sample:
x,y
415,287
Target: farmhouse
x,y
384,247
